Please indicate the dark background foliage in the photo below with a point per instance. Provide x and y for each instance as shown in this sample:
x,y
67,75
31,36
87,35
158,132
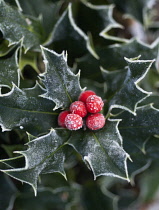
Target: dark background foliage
x,y
97,36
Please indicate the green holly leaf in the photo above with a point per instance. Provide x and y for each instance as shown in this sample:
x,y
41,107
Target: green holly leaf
x,y
137,132
151,147
101,15
4,48
152,99
10,72
26,110
90,67
29,58
102,151
139,128
9,149
47,9
140,160
130,94
114,81
67,36
44,155
15,27
130,49
62,85
12,163
97,87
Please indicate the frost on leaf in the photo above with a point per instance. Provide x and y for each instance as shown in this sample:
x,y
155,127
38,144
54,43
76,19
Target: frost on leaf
x,y
15,27
62,85
131,49
129,93
9,71
137,132
102,150
25,110
44,155
139,128
100,19
67,36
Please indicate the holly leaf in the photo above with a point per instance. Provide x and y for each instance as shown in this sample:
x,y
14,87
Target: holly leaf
x,y
130,49
10,163
139,128
62,85
102,151
67,36
4,48
10,72
47,9
44,155
30,58
15,27
97,87
140,160
26,110
130,94
9,149
153,99
90,67
151,147
114,80
137,132
88,14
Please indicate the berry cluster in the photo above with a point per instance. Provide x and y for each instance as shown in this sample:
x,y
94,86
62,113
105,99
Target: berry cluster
x,y
88,107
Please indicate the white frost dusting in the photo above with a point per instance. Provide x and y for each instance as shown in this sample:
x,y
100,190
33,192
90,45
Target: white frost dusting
x,y
136,85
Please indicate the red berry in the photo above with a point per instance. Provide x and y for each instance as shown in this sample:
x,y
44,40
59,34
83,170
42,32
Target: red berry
x,y
95,121
78,107
94,104
61,118
84,95
73,122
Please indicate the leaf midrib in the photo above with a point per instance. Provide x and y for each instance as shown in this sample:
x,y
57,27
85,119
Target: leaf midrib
x,y
64,86
24,110
96,139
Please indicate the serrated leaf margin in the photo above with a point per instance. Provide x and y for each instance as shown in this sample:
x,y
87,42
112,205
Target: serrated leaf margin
x,y
129,60
34,185
64,55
